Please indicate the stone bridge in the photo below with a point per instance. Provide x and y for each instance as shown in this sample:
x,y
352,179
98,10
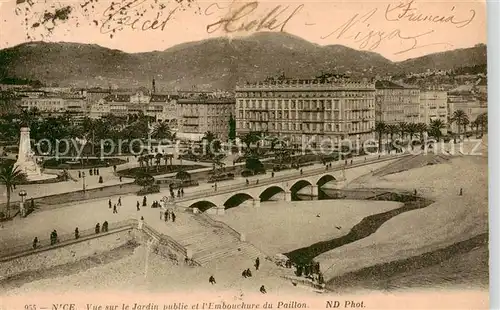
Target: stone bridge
x,y
306,183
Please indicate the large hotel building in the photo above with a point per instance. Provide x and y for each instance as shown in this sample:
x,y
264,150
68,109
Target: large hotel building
x,y
312,109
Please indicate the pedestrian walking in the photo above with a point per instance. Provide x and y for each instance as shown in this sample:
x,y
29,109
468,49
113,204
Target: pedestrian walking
x,y
55,237
182,192
105,226
244,274
77,233
178,192
90,172
263,290
35,243
52,240
461,192
109,203
79,174
165,216
97,171
257,263
138,206
173,217
97,228
249,273
120,201
351,161
211,280
114,209
120,178
144,201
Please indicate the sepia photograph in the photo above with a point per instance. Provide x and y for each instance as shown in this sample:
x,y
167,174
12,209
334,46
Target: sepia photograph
x,y
188,154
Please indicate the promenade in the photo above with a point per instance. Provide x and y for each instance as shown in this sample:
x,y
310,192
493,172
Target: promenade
x,y
86,214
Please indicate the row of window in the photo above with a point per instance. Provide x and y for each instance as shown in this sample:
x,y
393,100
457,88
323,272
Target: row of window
x,y
328,104
316,127
289,94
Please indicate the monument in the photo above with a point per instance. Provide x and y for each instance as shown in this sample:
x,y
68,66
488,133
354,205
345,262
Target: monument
x,y
26,161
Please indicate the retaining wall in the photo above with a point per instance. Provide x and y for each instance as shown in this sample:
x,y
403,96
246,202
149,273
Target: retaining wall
x,y
64,253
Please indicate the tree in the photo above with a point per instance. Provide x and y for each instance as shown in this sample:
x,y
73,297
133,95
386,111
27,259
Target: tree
x,y
421,128
482,120
252,137
411,128
145,180
232,128
435,128
460,118
403,128
183,175
158,158
391,129
10,175
380,129
161,131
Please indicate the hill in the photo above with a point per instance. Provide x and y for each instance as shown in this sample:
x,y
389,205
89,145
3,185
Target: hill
x,y
213,63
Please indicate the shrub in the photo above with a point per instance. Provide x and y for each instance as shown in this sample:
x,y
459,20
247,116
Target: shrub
x,y
247,173
152,189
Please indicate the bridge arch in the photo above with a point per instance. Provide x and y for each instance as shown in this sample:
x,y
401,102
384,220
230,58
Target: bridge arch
x,y
203,205
299,184
237,199
325,179
269,192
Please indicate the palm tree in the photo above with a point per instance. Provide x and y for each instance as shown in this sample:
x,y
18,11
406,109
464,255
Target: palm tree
x,y
158,158
167,158
10,175
460,118
161,131
412,128
482,120
435,128
421,129
380,129
391,129
403,128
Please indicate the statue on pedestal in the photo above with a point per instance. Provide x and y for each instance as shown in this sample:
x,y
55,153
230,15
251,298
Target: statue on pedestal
x,y
26,161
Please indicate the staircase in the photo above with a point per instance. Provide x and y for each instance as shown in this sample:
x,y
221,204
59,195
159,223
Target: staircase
x,y
210,243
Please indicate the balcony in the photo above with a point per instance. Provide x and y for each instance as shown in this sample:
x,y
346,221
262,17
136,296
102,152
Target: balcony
x,y
190,116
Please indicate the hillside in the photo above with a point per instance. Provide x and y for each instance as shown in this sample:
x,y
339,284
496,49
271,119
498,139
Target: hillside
x,y
212,63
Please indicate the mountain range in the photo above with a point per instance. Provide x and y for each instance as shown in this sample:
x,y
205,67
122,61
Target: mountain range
x,y
213,63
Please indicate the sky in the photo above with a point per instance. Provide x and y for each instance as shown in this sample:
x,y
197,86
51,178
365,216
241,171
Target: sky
x,y
398,30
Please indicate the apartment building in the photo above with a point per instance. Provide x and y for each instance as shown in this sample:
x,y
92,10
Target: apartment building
x,y
310,109
198,114
396,103
433,105
160,107
470,104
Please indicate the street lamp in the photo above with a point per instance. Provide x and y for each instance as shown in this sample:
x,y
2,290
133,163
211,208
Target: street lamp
x,y
22,194
83,179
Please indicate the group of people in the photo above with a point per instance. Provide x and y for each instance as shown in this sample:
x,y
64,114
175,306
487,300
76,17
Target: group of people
x,y
93,171
180,191
245,274
169,214
310,270
99,229
53,239
114,206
